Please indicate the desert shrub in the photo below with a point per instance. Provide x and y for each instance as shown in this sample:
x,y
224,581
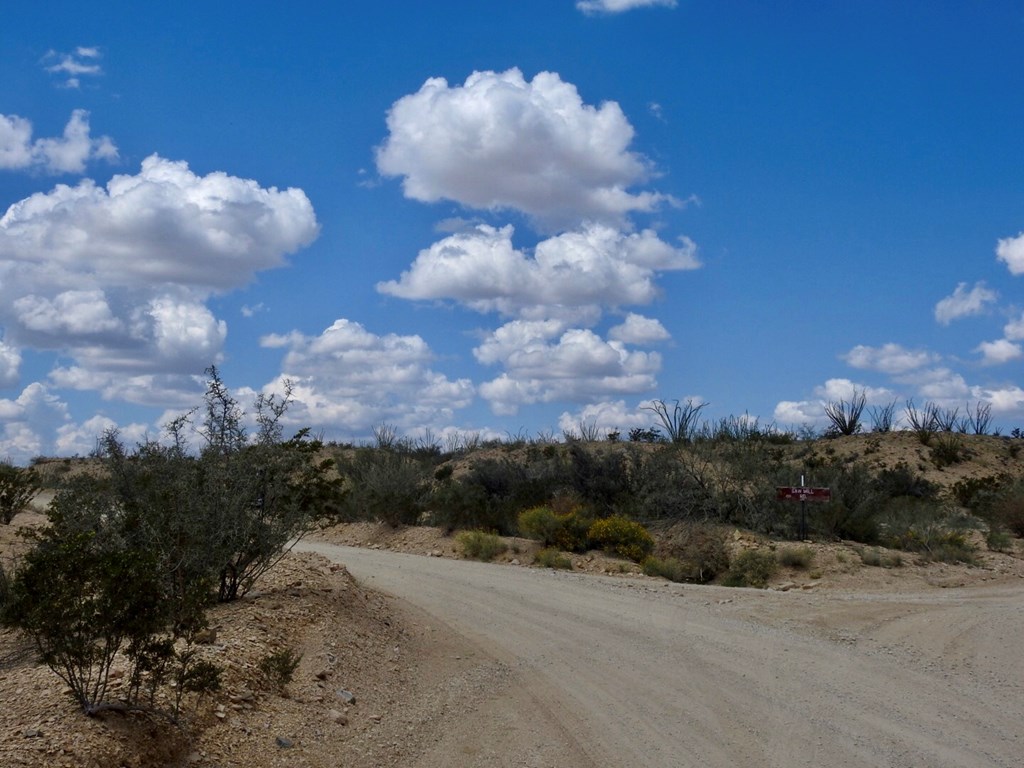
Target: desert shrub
x,y
796,557
18,486
976,493
901,480
552,558
622,537
666,568
876,558
845,417
86,596
278,667
568,531
1006,508
599,476
914,525
385,485
699,547
540,524
494,491
751,568
479,545
948,449
669,483
135,553
996,539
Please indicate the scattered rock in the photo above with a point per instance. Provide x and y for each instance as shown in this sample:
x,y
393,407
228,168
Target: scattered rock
x,y
31,733
336,716
785,586
346,696
284,743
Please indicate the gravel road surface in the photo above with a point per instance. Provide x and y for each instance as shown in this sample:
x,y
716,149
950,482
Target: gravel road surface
x,y
613,671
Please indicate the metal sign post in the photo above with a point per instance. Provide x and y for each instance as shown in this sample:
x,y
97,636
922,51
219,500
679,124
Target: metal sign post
x,y
803,495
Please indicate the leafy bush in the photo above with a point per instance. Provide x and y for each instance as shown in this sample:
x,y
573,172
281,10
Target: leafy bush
x,y
665,567
552,558
278,667
625,538
796,557
751,568
135,554
540,524
84,597
568,530
481,546
17,488
494,491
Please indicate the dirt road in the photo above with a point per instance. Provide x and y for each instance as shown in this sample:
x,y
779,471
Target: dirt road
x,y
613,672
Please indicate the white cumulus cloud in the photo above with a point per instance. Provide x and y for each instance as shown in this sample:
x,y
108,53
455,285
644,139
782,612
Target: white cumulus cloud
x,y
499,141
889,358
637,329
964,302
999,352
28,422
349,379
68,153
10,364
583,270
546,362
117,277
1010,250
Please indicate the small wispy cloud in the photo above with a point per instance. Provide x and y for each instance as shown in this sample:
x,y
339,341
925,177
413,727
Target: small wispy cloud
x,y
619,6
964,302
71,67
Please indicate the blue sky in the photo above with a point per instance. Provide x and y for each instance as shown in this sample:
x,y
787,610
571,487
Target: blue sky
x,y
506,218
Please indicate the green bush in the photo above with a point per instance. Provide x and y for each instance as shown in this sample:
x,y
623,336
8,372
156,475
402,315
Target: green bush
x,y
540,524
666,568
385,485
622,537
998,540
552,558
796,557
478,545
565,530
17,488
278,667
1007,508
751,568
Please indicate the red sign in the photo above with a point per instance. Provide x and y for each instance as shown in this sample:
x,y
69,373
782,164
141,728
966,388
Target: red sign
x,y
803,494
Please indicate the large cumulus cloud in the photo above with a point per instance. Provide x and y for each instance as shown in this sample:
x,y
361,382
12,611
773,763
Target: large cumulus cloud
x,y
116,276
499,141
586,270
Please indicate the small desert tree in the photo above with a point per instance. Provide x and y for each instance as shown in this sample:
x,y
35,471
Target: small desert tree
x,y
17,488
134,555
